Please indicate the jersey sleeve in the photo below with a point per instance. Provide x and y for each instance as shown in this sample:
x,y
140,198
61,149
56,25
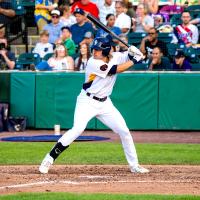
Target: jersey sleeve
x,y
98,67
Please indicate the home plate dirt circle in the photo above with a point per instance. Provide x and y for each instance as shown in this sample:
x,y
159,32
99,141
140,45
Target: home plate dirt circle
x,y
162,179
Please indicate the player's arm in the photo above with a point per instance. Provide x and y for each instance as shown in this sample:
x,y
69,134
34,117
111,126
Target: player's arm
x,y
134,55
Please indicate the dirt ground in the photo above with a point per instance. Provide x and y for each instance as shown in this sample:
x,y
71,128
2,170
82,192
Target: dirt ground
x,y
163,179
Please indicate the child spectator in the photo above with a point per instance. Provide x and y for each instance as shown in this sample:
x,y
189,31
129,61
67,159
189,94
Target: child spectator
x,y
67,41
180,62
43,47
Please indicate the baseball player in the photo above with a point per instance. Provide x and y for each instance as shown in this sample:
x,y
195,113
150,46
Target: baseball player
x,y
94,101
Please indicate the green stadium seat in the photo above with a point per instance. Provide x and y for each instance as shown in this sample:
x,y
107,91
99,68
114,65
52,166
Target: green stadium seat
x,y
47,56
136,38
165,37
175,20
193,8
27,3
195,66
25,60
139,66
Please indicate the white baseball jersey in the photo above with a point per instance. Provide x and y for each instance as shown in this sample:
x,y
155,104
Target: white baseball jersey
x,y
97,80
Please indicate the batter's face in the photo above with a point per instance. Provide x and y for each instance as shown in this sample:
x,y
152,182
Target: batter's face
x,y
97,54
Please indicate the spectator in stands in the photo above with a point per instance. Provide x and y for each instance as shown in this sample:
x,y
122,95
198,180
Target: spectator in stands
x,y
186,33
7,12
143,22
7,58
180,62
86,5
105,7
67,18
61,60
123,21
43,47
122,47
81,27
158,62
110,18
81,61
88,38
2,32
54,28
152,5
65,39
150,42
42,12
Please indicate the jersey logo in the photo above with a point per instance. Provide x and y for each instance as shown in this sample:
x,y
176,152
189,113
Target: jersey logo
x,y
104,67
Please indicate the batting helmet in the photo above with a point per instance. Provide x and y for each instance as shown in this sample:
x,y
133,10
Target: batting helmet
x,y
103,44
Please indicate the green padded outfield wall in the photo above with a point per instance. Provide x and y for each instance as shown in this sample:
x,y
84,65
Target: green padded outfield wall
x,y
136,97
56,98
5,87
22,96
179,101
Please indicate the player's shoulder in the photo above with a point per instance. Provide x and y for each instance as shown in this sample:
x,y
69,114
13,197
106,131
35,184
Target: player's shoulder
x,y
95,62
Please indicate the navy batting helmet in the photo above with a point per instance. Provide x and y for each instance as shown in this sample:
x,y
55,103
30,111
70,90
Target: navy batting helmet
x,y
103,44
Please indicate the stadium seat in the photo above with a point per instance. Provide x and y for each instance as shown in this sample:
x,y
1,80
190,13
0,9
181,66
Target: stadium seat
x,y
135,38
139,66
47,56
165,37
193,8
175,20
195,66
27,3
26,60
192,56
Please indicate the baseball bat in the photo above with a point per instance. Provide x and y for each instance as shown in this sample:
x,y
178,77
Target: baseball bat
x,y
105,28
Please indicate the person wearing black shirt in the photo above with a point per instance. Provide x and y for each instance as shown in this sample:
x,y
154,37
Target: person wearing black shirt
x,y
6,12
158,62
7,58
151,41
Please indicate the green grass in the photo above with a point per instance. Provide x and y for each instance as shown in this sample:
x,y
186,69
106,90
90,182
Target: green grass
x,y
62,196
100,153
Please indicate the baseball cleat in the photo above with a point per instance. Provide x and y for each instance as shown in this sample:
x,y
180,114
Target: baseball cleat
x,y
46,164
139,169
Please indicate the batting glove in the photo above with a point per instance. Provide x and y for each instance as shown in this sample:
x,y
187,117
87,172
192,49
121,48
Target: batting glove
x,y
135,54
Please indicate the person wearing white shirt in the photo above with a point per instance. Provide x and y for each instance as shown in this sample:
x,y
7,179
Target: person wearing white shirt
x,y
105,7
43,47
123,21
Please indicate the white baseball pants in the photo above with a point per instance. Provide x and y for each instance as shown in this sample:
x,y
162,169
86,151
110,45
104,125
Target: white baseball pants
x,y
86,109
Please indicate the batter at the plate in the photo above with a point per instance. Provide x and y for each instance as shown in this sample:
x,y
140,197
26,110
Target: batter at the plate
x,y
94,101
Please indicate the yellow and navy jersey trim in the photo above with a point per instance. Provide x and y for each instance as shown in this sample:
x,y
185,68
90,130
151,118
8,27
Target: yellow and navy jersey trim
x,y
89,82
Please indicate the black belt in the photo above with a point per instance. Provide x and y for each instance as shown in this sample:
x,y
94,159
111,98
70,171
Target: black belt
x,y
96,98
